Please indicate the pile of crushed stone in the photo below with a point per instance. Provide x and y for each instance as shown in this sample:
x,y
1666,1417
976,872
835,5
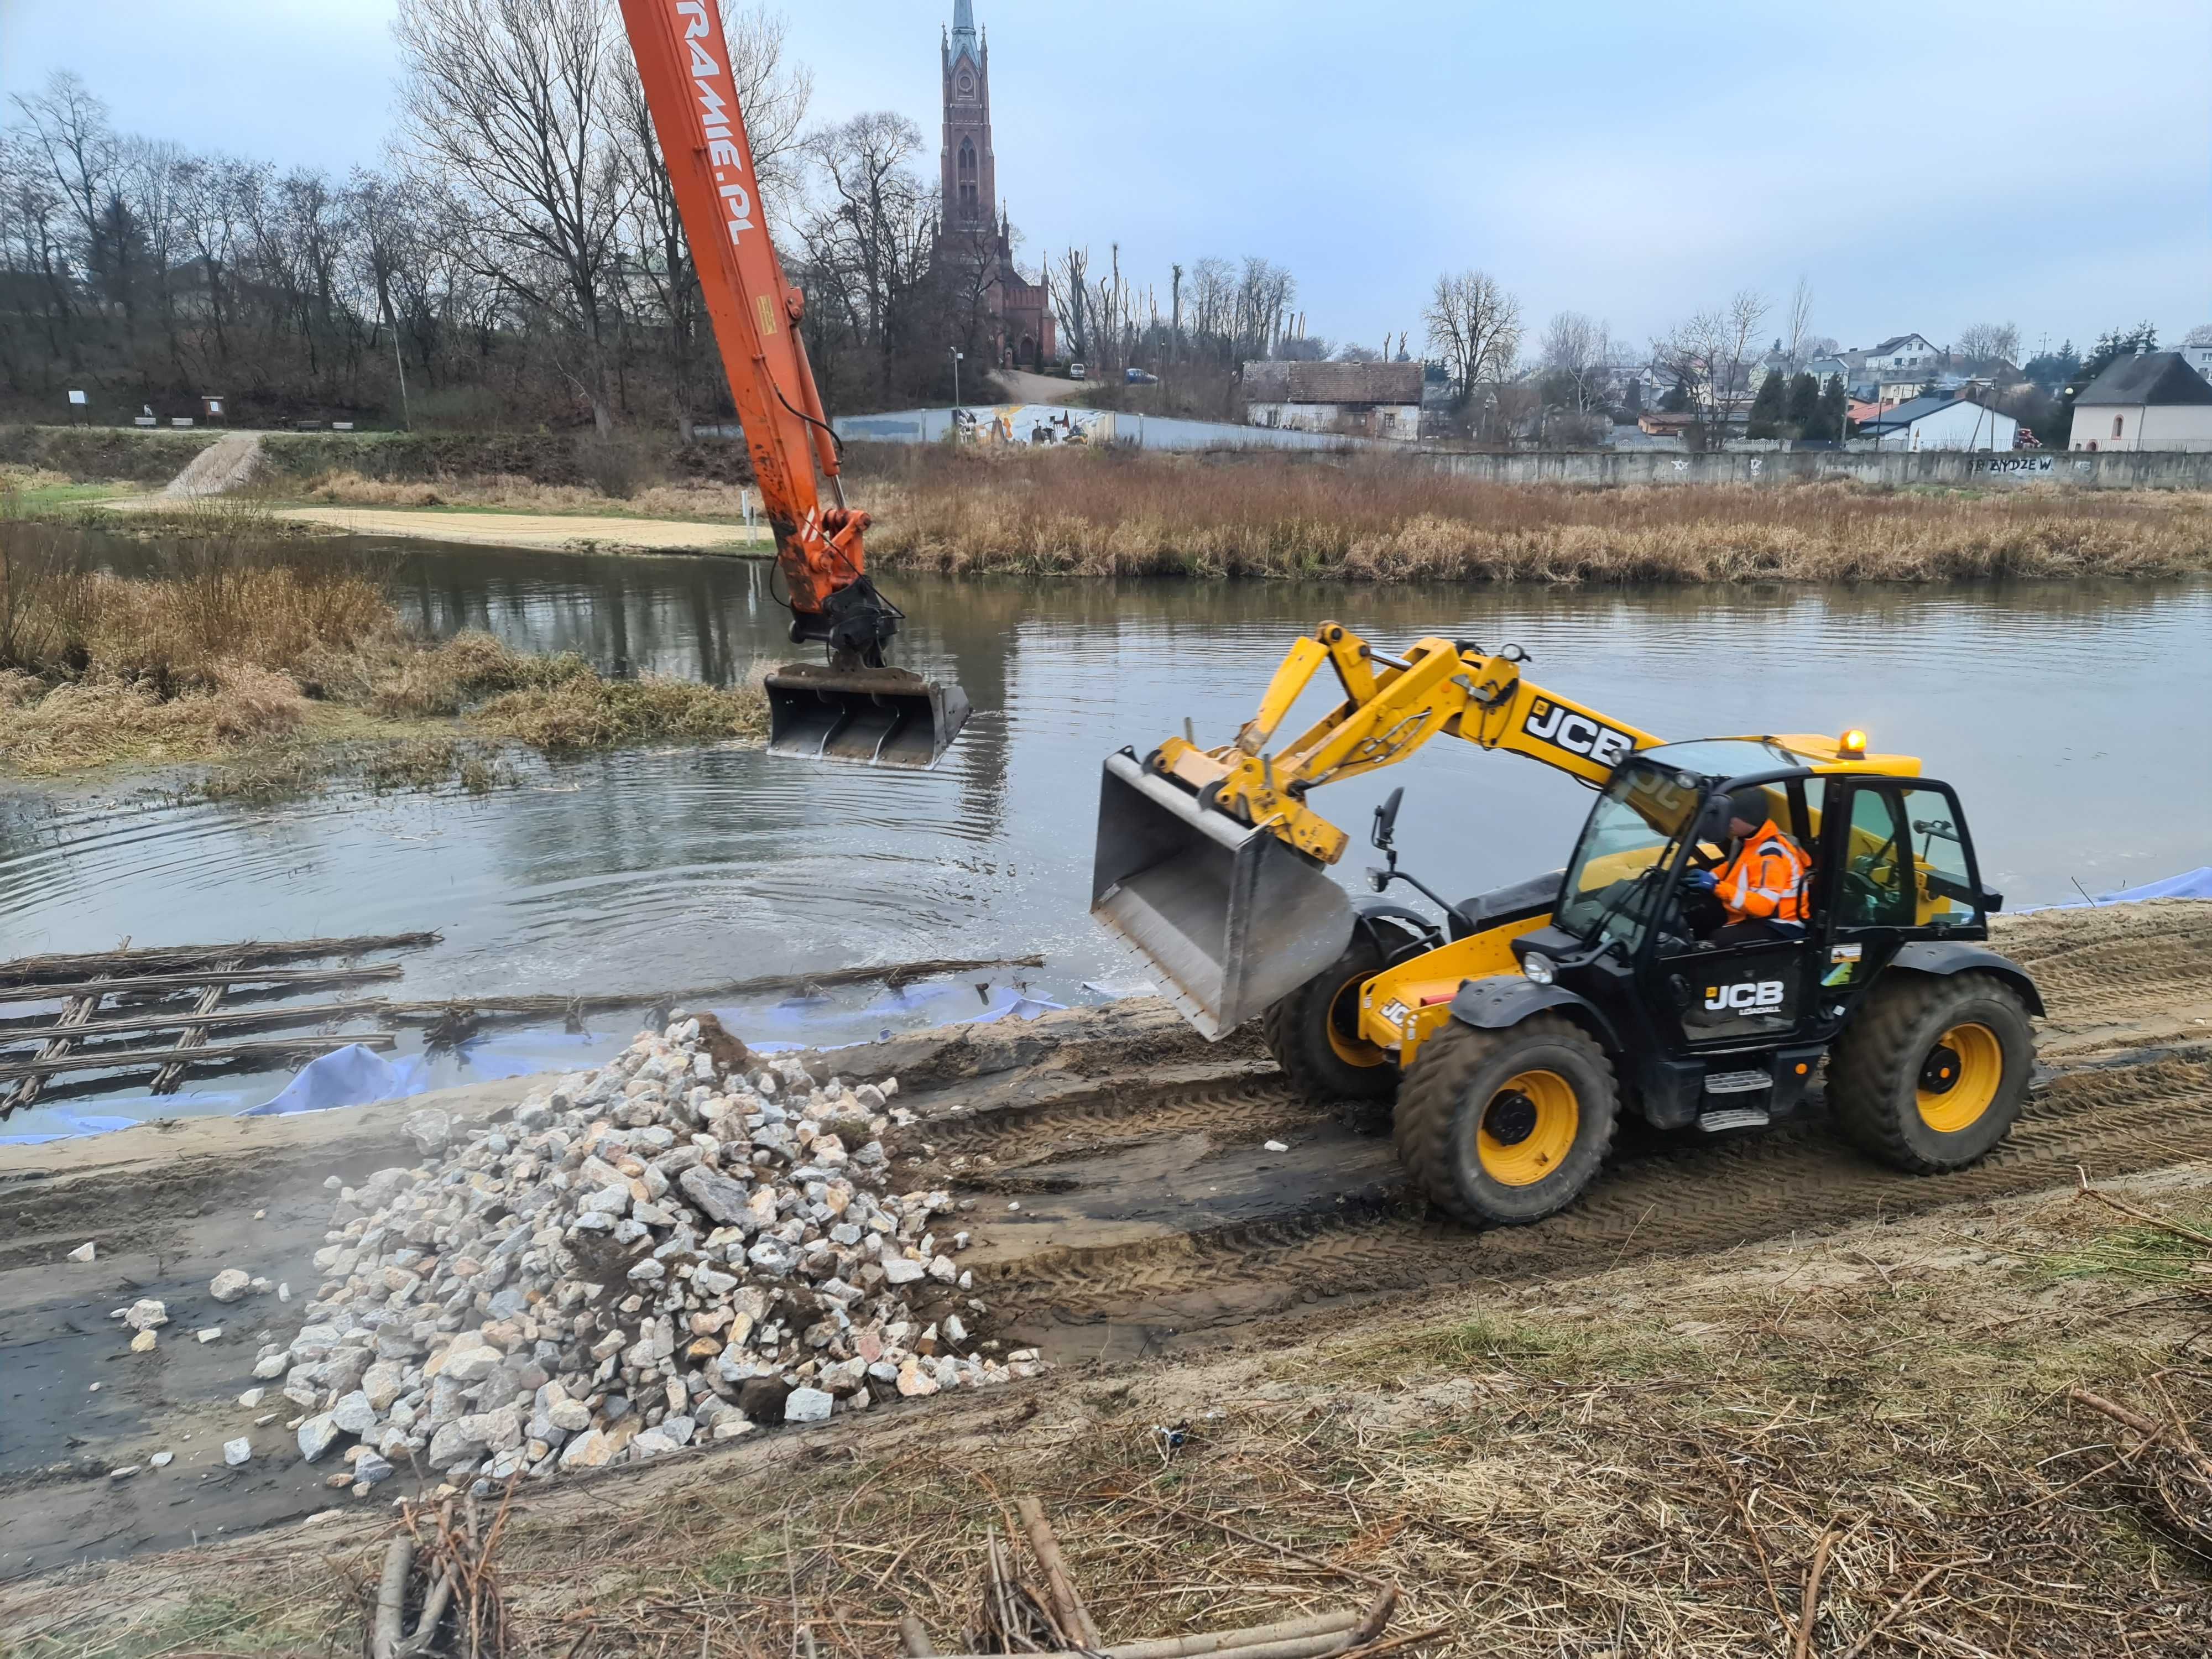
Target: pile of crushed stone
x,y
683,1245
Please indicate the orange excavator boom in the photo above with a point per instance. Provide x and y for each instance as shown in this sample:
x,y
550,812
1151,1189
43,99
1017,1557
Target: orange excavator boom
x,y
853,706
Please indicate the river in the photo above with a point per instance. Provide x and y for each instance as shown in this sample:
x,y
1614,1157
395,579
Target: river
x,y
2071,717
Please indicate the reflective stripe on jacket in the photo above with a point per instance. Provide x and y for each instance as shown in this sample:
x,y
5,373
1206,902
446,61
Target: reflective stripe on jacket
x,y
1765,878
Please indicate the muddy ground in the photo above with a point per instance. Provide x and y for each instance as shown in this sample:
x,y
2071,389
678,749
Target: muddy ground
x,y
1152,1224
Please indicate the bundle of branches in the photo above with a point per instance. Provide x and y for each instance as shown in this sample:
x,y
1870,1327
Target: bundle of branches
x,y
1046,1615
439,1569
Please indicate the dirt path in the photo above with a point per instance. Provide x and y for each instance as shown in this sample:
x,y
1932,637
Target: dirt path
x,y
1116,1173
569,531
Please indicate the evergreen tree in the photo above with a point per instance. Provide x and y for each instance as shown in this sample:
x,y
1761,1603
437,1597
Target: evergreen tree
x,y
1677,400
1769,408
1834,409
1804,404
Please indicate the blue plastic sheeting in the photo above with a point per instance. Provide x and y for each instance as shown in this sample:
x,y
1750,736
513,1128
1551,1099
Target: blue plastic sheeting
x,y
73,1127
351,1076
2189,884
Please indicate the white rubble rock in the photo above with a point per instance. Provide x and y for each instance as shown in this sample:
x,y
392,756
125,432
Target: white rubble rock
x,y
87,1251
162,1459
1274,1147
807,1405
430,1129
229,1284
237,1451
209,1333
145,1313
252,1398
316,1435
142,1343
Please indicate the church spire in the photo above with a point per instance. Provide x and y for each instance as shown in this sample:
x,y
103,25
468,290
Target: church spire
x,y
964,31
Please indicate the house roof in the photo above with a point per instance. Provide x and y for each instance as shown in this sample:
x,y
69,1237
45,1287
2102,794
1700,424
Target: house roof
x,y
2155,377
1276,381
1916,409
1897,340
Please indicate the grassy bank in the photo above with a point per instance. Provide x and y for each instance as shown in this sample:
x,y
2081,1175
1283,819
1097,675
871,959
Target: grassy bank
x,y
1860,1444
283,668
1113,513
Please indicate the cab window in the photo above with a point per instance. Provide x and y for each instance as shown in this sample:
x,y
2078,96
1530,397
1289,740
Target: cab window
x,y
1939,843
1875,888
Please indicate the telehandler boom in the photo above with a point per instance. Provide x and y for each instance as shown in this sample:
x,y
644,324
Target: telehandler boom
x,y
852,707
1512,1034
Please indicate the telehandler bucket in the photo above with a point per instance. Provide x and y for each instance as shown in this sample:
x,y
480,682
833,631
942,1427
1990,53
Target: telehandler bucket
x,y
884,716
1233,919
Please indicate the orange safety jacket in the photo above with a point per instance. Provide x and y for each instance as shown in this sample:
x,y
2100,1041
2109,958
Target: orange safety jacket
x,y
1765,878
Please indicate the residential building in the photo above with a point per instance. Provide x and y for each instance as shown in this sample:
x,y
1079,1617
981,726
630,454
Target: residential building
x,y
1900,355
1942,423
1364,400
2198,357
2151,401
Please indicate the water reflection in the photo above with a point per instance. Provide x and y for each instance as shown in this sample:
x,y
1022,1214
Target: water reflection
x,y
2071,718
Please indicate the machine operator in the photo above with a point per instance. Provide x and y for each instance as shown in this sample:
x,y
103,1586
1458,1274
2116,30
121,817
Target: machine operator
x,y
1761,886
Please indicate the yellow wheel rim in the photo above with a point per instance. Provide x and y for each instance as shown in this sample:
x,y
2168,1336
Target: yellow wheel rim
x,y
1527,1128
1351,1050
1960,1078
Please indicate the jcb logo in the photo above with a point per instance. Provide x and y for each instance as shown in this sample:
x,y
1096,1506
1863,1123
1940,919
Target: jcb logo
x,y
1578,734
1745,998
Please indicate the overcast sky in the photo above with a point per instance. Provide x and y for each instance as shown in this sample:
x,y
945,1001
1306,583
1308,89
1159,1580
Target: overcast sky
x,y
1924,167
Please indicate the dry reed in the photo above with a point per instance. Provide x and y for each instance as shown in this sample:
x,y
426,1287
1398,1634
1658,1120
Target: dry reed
x,y
229,647
1378,518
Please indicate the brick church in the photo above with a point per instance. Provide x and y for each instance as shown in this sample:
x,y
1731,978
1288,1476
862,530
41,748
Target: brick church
x,y
974,224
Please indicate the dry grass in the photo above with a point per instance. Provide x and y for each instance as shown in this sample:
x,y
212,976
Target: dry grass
x,y
291,670
1648,1461
1113,513
517,494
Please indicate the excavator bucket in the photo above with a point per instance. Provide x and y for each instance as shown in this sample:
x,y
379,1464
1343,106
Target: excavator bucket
x,y
884,716
1232,919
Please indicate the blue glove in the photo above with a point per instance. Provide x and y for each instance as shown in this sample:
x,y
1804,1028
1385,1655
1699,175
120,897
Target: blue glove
x,y
1703,880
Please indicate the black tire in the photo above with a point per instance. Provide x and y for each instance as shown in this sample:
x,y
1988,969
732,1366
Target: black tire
x,y
1297,1027
1459,1079
1889,1084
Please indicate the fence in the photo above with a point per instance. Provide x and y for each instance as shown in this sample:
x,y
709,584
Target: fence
x,y
2138,469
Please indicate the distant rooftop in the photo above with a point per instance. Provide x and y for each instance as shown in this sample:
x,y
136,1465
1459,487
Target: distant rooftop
x,y
2155,377
1278,382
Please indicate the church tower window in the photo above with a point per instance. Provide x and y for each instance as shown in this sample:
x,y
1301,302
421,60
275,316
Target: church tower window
x,y
967,175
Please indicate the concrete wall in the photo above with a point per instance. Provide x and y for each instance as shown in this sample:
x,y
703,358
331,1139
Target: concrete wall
x,y
1022,423
2148,469
1400,421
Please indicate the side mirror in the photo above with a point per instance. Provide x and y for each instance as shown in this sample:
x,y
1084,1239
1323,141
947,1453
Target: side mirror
x,y
1386,818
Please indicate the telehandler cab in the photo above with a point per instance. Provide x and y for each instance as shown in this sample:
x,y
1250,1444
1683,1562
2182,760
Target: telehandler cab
x,y
1514,1032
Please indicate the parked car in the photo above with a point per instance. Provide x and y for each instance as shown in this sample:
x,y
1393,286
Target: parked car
x,y
1139,377
1077,372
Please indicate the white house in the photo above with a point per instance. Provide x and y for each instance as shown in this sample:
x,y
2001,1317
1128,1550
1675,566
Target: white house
x,y
1942,423
2151,401
1898,356
1367,400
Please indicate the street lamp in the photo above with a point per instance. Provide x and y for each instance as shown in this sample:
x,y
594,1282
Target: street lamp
x,y
955,350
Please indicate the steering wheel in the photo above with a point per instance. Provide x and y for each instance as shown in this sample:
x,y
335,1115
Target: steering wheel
x,y
1862,887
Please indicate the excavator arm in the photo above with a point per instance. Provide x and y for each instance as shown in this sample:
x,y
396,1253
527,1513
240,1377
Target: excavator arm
x,y
852,707
1211,862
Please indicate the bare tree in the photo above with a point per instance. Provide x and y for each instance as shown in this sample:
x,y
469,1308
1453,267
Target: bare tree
x,y
514,104
1072,300
1987,343
1796,340
1475,325
871,234
1577,352
1707,356
2199,335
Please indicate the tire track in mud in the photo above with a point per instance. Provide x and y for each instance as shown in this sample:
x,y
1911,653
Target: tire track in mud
x,y
1669,1198
1120,1113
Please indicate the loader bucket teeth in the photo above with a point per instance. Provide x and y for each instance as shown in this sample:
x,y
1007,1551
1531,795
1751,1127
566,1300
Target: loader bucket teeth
x,y
1230,918
879,716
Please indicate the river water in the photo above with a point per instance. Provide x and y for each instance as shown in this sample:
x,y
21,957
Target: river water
x,y
2071,717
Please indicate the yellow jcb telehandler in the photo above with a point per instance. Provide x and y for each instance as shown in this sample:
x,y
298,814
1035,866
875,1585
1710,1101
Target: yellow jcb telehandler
x,y
1514,1030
